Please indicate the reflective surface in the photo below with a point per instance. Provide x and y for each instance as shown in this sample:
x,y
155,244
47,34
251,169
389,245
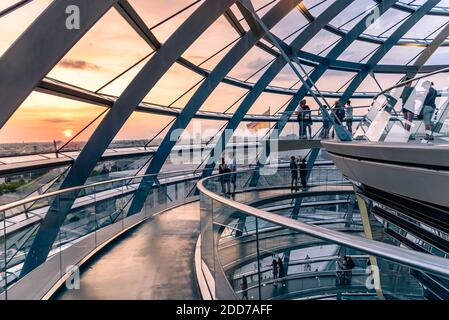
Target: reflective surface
x,y
238,250
153,261
99,213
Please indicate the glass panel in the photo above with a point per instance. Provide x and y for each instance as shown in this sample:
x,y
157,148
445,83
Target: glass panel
x,y
155,13
109,48
177,81
16,22
214,39
44,122
256,258
253,61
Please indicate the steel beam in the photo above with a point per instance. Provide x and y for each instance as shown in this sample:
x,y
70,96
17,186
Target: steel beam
x,y
114,120
387,46
237,52
308,33
40,47
428,52
331,57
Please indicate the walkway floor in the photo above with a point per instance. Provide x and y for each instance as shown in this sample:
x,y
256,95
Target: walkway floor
x,y
153,261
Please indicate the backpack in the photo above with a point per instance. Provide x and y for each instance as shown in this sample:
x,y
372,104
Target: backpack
x,y
340,113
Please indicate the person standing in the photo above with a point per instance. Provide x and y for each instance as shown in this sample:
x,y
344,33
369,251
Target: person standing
x,y
348,272
281,271
300,120
244,287
429,108
307,122
340,269
233,169
349,116
307,266
223,169
408,114
339,112
294,174
275,270
326,127
303,172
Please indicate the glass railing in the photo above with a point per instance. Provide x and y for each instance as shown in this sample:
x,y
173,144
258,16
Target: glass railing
x,y
98,214
239,244
386,120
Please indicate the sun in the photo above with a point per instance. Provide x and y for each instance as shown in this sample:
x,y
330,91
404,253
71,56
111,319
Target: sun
x,y
67,133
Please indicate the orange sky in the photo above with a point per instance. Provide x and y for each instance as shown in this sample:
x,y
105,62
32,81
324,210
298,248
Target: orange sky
x,y
112,46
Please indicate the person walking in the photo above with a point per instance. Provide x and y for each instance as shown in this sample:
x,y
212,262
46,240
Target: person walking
x,y
429,108
294,174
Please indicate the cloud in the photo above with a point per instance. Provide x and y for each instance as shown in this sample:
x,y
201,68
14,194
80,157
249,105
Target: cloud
x,y
78,64
56,120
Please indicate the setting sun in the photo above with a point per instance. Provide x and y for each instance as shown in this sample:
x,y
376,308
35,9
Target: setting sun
x,y
68,133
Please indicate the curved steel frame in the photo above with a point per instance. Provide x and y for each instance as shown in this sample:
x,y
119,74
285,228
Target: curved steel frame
x,y
387,46
230,60
21,76
275,68
148,76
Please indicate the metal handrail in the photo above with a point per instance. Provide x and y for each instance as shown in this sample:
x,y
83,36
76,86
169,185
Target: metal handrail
x,y
417,260
21,202
404,83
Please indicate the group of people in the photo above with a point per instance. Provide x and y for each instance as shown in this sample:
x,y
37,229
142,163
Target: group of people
x,y
304,120
298,165
278,271
342,113
226,180
427,110
344,267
